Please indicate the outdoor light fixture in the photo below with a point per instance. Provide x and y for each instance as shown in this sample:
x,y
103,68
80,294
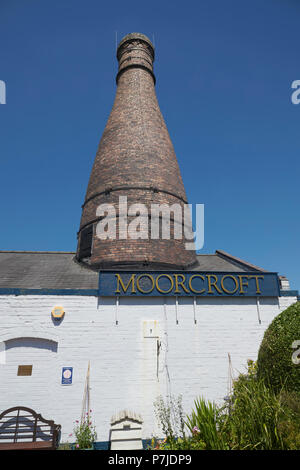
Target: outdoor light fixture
x,y
57,313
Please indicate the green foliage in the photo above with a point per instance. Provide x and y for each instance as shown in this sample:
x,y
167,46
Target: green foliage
x,y
171,419
85,434
207,422
290,434
289,427
254,417
187,443
275,364
64,446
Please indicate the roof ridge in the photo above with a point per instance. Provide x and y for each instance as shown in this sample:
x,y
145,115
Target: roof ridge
x,y
225,255
206,254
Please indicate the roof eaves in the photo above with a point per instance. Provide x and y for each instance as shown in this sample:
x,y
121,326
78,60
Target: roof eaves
x,y
238,261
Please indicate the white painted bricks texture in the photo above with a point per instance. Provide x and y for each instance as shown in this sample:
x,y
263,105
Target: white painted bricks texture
x,y
125,372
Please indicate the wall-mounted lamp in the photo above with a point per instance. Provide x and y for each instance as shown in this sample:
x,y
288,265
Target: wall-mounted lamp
x,y
57,313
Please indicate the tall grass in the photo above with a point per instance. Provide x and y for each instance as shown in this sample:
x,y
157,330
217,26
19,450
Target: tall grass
x,y
255,415
254,418
251,420
206,421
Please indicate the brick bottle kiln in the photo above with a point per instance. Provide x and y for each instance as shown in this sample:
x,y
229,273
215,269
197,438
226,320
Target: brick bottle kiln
x,y
136,159
149,316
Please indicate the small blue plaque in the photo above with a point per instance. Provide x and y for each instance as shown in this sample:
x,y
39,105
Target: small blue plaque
x,y
67,376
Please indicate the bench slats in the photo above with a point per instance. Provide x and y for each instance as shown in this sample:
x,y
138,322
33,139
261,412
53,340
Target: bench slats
x,y
26,429
26,445
26,436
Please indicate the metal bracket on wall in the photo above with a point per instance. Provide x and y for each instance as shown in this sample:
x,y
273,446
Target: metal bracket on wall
x,y
258,310
158,347
194,308
117,309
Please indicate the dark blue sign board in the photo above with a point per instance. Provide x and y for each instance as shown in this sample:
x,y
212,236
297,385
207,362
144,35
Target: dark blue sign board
x,y
188,283
67,376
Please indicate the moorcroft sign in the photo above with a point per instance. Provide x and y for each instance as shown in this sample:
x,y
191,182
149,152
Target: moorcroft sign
x,y
175,283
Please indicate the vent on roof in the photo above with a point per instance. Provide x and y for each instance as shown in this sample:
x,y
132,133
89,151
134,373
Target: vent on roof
x,y
85,243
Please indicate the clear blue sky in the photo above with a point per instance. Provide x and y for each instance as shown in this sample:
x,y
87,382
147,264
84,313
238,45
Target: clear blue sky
x,y
224,72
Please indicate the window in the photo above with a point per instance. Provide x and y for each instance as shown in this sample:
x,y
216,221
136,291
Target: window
x,y
85,243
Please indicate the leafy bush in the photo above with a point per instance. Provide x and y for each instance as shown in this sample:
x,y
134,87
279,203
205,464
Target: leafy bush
x,y
207,422
275,364
171,419
249,420
64,446
289,427
254,417
85,433
188,443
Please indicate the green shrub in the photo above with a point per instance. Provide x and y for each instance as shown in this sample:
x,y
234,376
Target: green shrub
x,y
206,422
274,363
188,443
85,433
250,421
254,416
64,446
289,427
171,419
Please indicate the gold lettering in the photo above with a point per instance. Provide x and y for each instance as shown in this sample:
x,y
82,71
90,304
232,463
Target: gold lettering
x,y
243,283
180,283
258,291
190,284
213,284
235,281
139,287
119,281
157,286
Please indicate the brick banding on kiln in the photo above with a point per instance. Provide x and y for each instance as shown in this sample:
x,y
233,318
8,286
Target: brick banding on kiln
x,y
135,158
109,190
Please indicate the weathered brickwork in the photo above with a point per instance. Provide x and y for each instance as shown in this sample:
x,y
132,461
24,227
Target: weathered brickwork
x,y
136,159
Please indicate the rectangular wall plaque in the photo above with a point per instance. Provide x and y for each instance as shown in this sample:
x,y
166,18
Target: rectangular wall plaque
x,y
67,376
25,370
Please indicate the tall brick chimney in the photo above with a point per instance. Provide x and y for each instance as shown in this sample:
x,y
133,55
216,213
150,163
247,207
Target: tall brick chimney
x,y
135,158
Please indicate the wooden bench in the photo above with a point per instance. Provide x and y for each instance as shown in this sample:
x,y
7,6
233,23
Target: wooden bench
x,y
22,428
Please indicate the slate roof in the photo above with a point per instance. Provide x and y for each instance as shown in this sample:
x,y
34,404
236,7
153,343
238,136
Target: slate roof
x,y
59,270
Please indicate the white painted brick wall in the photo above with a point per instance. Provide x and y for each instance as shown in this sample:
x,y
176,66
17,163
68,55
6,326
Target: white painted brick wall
x,y
123,360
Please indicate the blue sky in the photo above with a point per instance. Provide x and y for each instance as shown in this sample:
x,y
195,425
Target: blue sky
x,y
224,72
